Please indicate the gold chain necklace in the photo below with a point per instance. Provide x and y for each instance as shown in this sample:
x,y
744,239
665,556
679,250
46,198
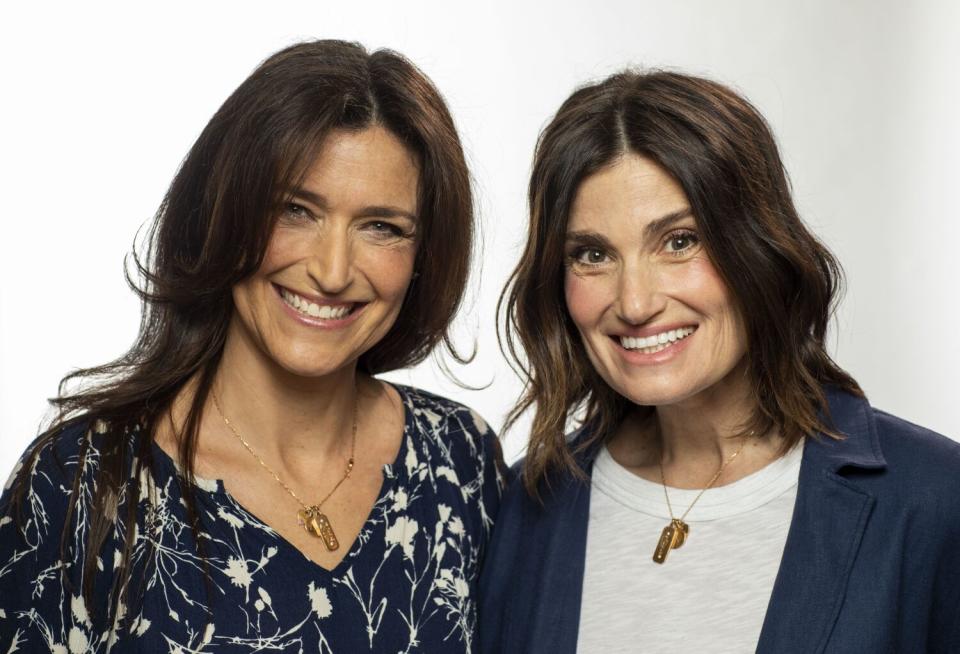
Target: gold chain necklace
x,y
674,535
311,518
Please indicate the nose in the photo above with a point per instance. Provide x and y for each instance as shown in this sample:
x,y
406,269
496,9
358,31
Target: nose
x,y
639,296
331,264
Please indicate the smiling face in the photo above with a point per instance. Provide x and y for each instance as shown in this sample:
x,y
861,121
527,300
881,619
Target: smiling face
x,y
656,319
339,260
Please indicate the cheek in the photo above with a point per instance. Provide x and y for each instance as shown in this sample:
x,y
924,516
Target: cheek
x,y
585,300
712,297
286,246
281,252
248,295
390,269
701,287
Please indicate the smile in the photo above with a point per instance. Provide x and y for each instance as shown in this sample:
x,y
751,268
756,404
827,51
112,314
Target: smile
x,y
307,308
656,342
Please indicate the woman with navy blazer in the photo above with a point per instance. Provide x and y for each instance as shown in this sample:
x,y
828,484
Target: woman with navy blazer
x,y
729,488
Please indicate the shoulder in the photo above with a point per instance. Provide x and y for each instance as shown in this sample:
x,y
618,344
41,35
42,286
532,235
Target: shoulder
x,y
439,422
918,494
928,461
554,488
883,450
451,448
912,473
53,458
55,466
37,507
894,431
452,434
538,544
560,496
442,413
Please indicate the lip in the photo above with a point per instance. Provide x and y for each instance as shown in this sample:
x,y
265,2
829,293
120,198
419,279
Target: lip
x,y
654,329
638,358
315,322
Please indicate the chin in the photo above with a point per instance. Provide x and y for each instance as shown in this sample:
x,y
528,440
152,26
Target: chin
x,y
652,398
661,391
311,363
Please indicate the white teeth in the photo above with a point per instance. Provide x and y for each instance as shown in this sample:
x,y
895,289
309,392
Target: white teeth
x,y
304,306
657,342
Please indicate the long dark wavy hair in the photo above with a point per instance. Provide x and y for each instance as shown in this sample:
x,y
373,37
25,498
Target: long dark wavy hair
x,y
784,280
211,231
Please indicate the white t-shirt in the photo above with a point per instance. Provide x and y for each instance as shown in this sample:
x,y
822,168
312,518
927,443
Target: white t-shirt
x,y
711,594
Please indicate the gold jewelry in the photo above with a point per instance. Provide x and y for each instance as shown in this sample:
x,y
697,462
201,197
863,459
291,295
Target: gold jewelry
x,y
311,518
675,534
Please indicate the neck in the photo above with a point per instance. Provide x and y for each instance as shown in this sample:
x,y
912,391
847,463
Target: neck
x,y
282,415
693,438
703,428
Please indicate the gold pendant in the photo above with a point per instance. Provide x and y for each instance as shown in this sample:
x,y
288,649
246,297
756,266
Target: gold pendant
x,y
673,536
681,531
317,524
663,545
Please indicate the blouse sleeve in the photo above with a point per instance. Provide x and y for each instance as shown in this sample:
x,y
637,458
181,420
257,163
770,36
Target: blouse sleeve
x,y
484,460
494,478
26,532
38,612
17,567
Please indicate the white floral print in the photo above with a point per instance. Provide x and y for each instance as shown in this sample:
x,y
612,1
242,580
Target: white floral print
x,y
407,584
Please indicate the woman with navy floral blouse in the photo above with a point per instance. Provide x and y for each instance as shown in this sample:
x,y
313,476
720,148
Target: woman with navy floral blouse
x,y
239,481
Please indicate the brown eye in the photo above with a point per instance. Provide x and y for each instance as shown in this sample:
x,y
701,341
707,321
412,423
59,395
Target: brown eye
x,y
589,256
384,228
294,211
681,242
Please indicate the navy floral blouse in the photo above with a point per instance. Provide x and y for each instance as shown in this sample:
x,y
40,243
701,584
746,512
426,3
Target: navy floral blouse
x,y
408,583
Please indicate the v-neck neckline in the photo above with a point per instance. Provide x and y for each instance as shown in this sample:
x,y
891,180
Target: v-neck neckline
x,y
391,477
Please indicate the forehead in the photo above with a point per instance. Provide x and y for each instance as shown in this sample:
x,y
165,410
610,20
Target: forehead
x,y
634,190
371,166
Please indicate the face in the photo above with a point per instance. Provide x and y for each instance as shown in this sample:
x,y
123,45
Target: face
x,y
656,319
339,260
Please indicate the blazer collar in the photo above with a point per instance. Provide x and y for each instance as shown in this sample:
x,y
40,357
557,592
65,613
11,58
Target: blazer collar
x,y
859,447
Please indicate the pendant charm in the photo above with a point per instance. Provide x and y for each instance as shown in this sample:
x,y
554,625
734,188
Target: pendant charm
x,y
317,524
673,536
663,545
680,533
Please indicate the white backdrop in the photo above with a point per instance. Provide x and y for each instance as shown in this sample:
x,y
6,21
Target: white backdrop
x,y
102,101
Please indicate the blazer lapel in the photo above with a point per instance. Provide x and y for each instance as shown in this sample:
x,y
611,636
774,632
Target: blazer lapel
x,y
829,519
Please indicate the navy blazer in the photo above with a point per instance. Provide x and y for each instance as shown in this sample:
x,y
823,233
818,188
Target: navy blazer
x,y
871,563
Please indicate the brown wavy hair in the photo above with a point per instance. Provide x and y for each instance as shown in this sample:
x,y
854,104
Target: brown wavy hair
x,y
784,280
211,232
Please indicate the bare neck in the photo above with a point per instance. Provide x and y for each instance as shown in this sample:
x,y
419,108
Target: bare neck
x,y
692,439
284,416
702,428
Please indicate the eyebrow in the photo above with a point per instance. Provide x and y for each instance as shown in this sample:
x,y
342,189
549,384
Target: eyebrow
x,y
372,211
652,228
588,238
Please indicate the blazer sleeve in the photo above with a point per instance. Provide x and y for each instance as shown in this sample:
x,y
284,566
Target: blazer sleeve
x,y
498,566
